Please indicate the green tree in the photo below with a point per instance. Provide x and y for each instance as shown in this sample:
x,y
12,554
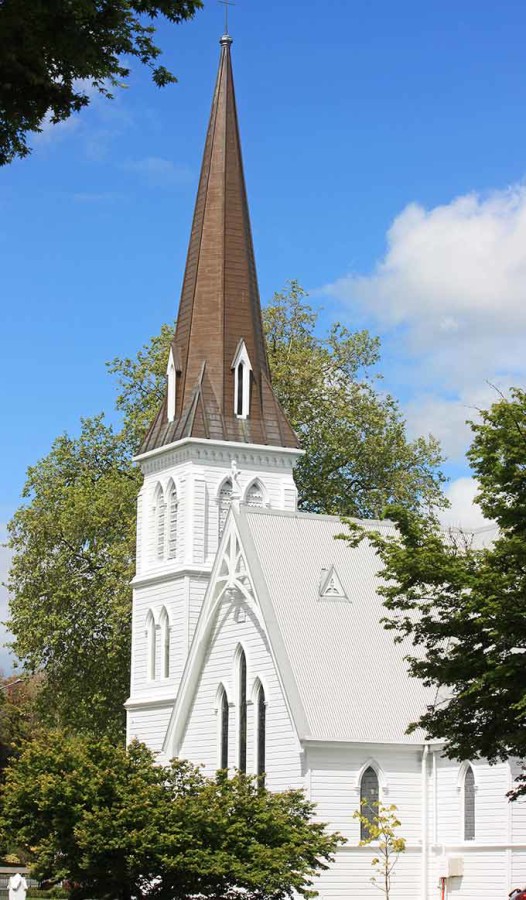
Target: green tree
x,y
463,605
74,536
357,455
381,824
73,561
115,824
54,51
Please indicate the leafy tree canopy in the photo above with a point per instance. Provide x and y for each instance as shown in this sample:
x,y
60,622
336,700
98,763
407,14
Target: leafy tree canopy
x,y
74,537
73,561
464,606
114,824
55,51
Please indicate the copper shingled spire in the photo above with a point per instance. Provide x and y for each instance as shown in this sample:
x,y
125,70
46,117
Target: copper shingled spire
x,y
220,305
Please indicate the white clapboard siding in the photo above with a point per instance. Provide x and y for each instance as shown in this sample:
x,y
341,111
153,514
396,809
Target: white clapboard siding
x,y
148,725
333,776
153,597
201,739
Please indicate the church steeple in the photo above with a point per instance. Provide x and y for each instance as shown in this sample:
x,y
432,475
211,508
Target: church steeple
x,y
218,384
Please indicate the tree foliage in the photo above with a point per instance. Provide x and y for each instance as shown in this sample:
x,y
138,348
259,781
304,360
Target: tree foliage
x,y
357,455
73,561
382,824
464,605
55,51
114,824
74,536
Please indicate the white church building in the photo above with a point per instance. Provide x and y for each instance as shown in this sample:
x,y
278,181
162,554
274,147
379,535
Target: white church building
x,y
256,636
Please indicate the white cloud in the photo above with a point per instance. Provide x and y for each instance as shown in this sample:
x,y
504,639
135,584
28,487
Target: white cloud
x,y
452,289
159,172
463,511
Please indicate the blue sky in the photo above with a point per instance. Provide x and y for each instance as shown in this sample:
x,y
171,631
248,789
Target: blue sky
x,y
385,155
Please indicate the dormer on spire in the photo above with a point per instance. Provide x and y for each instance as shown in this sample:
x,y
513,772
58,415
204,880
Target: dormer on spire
x,y
220,307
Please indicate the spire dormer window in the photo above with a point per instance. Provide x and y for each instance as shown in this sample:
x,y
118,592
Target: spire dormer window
x,y
242,369
172,369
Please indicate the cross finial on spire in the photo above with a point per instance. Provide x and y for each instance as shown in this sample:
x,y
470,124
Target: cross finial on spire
x,y
226,4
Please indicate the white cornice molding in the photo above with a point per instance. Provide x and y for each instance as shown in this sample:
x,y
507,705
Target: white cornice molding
x,y
228,448
149,702
181,571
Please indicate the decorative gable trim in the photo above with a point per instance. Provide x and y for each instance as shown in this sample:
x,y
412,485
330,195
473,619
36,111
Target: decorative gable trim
x,y
236,576
331,587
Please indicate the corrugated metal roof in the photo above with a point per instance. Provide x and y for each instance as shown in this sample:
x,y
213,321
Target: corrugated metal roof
x,y
350,675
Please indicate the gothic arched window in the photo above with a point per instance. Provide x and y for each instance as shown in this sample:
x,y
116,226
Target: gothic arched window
x,y
469,805
225,499
172,522
151,648
261,714
159,521
242,711
369,797
165,644
254,496
224,711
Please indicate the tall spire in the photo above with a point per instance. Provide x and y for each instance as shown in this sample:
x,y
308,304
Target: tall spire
x,y
218,384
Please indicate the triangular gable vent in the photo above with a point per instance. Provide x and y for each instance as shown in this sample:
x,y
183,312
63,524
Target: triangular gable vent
x,y
331,587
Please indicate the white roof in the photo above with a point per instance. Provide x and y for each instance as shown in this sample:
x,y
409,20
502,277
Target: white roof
x,y
349,676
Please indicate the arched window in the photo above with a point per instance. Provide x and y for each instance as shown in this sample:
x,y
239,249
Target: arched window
x,y
165,644
172,523
240,376
254,496
242,711
151,640
225,499
159,518
242,369
369,797
261,714
469,805
223,729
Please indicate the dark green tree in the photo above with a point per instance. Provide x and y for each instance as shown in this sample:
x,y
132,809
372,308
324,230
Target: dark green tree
x,y
463,605
53,51
114,824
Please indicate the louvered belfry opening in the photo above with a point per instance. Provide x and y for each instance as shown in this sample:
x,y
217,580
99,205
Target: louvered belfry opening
x,y
220,303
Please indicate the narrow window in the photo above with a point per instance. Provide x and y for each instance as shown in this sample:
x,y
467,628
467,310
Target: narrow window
x,y
172,530
242,720
261,712
369,796
223,731
469,805
150,647
240,375
161,511
225,499
255,494
165,644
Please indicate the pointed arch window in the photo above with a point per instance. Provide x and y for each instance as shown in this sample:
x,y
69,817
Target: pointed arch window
x,y
225,500
369,797
159,521
261,714
151,648
242,711
172,522
242,369
254,495
165,643
224,716
469,805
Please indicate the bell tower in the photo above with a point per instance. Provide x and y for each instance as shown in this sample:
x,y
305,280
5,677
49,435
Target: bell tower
x,y
220,435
